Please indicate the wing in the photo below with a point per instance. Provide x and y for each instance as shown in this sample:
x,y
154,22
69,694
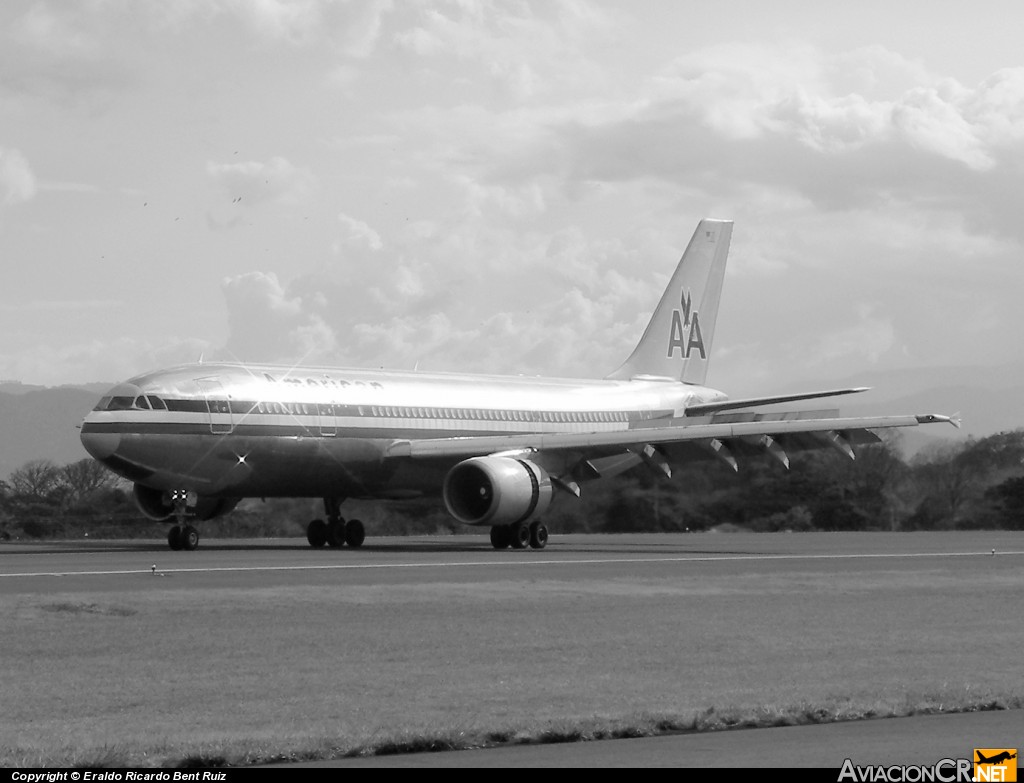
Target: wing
x,y
659,443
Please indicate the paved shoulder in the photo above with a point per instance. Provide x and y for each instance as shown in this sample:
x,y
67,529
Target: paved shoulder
x,y
922,740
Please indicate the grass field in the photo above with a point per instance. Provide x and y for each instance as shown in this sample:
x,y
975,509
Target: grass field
x,y
146,670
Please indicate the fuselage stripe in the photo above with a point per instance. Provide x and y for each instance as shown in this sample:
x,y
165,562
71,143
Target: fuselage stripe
x,y
213,406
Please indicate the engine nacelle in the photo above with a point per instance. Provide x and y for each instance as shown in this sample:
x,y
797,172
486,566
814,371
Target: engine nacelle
x,y
156,504
496,491
208,508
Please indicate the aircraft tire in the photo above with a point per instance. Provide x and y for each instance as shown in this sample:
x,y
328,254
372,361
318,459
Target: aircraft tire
x,y
355,533
336,532
174,538
538,535
500,537
189,538
316,533
519,536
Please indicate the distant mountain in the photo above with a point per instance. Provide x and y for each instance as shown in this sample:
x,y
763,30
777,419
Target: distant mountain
x,y
17,387
42,423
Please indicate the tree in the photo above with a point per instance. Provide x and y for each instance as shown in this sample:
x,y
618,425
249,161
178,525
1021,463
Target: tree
x,y
953,479
949,478
35,481
84,478
1008,499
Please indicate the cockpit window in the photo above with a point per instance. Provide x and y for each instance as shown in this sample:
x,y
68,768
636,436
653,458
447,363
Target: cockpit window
x,y
119,402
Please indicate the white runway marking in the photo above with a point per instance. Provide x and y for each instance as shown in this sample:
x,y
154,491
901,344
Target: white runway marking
x,y
492,563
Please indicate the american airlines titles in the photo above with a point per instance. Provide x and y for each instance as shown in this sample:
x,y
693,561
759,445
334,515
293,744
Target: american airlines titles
x,y
327,382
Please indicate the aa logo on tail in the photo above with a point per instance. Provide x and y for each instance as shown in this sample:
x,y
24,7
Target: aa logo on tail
x,y
995,764
684,333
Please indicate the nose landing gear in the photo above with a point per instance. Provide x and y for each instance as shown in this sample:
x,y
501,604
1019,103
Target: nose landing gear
x,y
182,535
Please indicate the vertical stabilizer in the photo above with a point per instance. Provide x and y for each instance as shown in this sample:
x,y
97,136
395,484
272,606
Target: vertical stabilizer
x,y
677,341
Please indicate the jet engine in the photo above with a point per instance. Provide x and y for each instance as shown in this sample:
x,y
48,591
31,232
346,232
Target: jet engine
x,y
208,508
156,504
496,491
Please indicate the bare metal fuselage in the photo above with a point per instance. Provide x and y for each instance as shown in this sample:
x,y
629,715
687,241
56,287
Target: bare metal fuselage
x,y
225,430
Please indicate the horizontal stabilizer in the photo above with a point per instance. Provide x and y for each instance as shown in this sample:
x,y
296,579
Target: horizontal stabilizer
x,y
705,408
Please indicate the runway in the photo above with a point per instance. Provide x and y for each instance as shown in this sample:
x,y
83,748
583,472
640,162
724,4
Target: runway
x,y
124,558
285,645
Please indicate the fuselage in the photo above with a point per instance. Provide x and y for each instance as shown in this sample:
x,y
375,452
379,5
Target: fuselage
x,y
231,430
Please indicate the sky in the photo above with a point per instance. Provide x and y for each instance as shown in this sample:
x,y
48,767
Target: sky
x,y
505,187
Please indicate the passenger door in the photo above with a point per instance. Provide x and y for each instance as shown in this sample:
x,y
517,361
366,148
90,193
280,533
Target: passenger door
x,y
218,406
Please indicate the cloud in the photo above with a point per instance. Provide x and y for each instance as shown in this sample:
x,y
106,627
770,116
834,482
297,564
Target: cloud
x,y
267,325
356,234
361,29
289,20
457,296
511,188
524,49
827,125
60,305
45,28
17,182
255,182
99,360
933,119
518,201
62,52
869,338
354,25
91,53
351,27
997,106
733,122
757,92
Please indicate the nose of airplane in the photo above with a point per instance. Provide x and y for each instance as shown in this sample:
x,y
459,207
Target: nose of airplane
x,y
101,444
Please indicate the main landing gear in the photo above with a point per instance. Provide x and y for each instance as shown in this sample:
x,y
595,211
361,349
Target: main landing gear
x,y
519,536
335,531
181,535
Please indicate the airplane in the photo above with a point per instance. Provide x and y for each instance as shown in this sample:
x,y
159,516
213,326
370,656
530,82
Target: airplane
x,y
196,439
996,759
